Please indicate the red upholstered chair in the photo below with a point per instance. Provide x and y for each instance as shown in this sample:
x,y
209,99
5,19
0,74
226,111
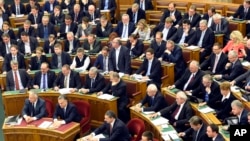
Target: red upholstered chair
x,y
49,107
136,127
155,139
83,108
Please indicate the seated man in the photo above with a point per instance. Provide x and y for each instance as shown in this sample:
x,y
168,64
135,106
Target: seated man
x,y
102,62
67,26
243,81
136,13
81,61
192,15
26,28
35,17
92,44
239,111
153,98
34,108
172,13
104,28
45,28
66,111
17,79
68,79
56,17
118,88
147,136
213,132
125,27
95,82
114,127
158,44
60,57
71,44
44,78
178,113
27,44
93,14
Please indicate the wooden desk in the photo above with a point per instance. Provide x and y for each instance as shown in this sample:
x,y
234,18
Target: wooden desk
x,y
13,103
238,95
208,118
241,26
219,38
31,132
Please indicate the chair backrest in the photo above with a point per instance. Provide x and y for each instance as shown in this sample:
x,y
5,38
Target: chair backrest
x,y
49,107
136,128
83,108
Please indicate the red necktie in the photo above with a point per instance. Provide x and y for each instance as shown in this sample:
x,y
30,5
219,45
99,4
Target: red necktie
x,y
16,81
176,111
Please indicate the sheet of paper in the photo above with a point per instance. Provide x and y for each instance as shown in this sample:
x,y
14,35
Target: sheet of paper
x,y
159,121
148,112
166,137
104,10
206,109
245,63
64,91
121,74
21,15
174,137
45,124
192,47
99,136
106,96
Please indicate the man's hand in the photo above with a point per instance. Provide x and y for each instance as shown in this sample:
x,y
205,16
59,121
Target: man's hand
x,y
208,90
153,115
171,87
181,134
56,124
138,109
28,119
218,76
56,88
84,90
99,93
35,86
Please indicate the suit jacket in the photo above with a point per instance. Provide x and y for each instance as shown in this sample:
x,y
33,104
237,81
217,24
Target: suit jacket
x,y
40,108
74,80
76,44
21,6
99,62
97,14
176,57
119,131
71,114
10,82
79,16
35,63
208,64
219,137
158,49
137,50
158,103
224,28
5,17
202,136
8,58
46,6
40,30
177,15
31,18
195,19
98,84
69,6
51,76
241,14
180,83
7,10
224,107
3,47
124,61
140,15
214,96
207,41
108,29
119,28
148,4
118,90
11,34
65,57
47,47
155,71
33,45
31,32
84,7
243,77
111,6
72,28
56,20
234,71
96,46
206,17
28,7
189,39
172,30
86,31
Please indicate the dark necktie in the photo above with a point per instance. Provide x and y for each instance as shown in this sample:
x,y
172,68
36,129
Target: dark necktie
x,y
33,110
104,64
175,111
134,17
44,81
206,97
152,101
46,32
16,81
64,112
75,19
92,82
110,129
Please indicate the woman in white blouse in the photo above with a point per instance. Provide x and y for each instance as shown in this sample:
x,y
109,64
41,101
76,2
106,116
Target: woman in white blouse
x,y
143,30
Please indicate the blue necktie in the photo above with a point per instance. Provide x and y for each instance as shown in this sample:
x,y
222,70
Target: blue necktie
x,y
206,97
46,32
149,68
152,101
44,81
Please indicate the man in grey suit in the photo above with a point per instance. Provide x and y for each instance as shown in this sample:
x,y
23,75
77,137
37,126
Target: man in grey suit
x,y
17,79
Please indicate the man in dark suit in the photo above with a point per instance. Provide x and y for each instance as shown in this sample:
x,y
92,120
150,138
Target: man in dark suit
x,y
242,81
114,127
190,79
172,13
124,28
13,55
209,16
104,28
95,82
60,57
67,26
35,17
208,91
158,44
185,35
26,28
233,69
92,44
151,68
173,54
34,108
4,16
68,79
71,44
135,46
31,4
153,98
5,8
57,17
66,111
145,4
7,42
49,44
136,13
76,13
37,59
44,78
216,62
118,88
49,6
45,28
108,5
102,62
178,113
197,131
93,14
119,58
192,16
213,133
239,111
17,79
166,28
17,8
27,44
204,39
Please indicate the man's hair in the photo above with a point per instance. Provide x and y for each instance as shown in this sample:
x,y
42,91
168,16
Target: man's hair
x,y
62,96
93,69
225,85
238,104
218,44
14,46
149,135
24,33
195,120
110,114
105,48
66,66
13,62
214,127
58,45
80,50
150,50
5,35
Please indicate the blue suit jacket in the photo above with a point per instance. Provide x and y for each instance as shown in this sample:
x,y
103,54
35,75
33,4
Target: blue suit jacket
x,y
71,114
243,118
234,71
40,108
51,76
99,62
40,30
46,6
119,28
157,104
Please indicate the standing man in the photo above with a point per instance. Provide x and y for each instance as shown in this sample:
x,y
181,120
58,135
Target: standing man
x,y
102,61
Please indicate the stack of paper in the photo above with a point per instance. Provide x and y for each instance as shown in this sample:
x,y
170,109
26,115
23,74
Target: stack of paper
x,y
159,121
148,112
205,109
64,91
45,124
192,47
245,63
106,96
99,136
